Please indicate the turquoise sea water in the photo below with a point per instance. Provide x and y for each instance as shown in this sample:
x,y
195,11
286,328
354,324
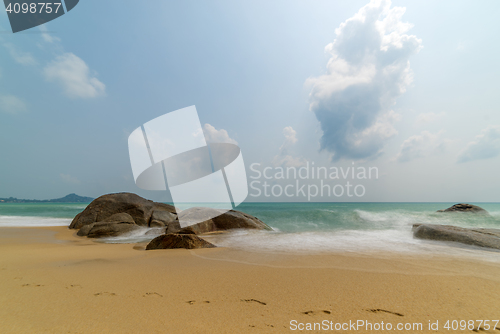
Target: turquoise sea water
x,y
306,227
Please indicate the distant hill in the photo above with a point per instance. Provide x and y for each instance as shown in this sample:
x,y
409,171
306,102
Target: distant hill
x,y
71,198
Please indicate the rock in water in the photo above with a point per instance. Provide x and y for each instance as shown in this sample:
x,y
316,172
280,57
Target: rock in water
x,y
462,207
172,240
127,207
231,219
489,238
115,214
237,219
111,229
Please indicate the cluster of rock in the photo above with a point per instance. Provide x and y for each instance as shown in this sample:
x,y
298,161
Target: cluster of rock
x,y
482,237
117,214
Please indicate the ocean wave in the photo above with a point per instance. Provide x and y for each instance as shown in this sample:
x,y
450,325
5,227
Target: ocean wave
x,y
135,236
351,241
27,221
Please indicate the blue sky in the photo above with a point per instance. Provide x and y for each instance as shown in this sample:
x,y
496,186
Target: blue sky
x,y
290,81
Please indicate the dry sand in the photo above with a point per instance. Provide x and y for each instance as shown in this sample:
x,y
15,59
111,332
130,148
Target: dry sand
x,y
52,281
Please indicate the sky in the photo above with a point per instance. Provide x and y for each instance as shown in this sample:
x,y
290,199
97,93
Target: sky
x,y
407,88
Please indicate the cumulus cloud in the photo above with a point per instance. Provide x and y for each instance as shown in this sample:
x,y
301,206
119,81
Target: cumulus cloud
x,y
73,74
11,104
430,117
212,135
69,179
485,146
284,159
20,57
368,69
418,146
290,137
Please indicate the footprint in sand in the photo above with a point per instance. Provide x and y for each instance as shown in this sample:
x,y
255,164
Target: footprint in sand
x,y
152,294
192,302
317,312
253,300
379,310
105,294
34,285
483,330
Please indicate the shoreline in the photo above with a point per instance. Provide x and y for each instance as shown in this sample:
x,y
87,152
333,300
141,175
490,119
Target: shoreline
x,y
54,281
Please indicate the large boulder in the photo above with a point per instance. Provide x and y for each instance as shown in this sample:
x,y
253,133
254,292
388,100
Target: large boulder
x,y
172,240
111,229
213,220
112,226
462,207
142,211
489,238
237,219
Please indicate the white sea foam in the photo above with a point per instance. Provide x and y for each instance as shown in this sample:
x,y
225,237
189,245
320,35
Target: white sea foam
x,y
135,236
352,241
27,221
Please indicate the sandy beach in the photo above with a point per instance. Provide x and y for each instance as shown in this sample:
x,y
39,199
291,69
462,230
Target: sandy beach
x,y
52,281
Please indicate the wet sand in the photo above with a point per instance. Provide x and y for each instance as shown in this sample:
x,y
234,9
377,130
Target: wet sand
x,y
52,281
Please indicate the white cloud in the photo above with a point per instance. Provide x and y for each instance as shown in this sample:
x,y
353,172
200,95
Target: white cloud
x,y
11,104
419,146
284,159
368,69
73,74
69,179
46,36
290,137
288,161
485,146
21,57
430,117
213,135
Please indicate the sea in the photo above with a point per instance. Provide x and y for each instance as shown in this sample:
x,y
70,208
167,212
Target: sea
x,y
307,227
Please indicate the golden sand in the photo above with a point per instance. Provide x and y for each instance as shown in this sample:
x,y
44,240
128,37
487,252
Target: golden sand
x,y
52,281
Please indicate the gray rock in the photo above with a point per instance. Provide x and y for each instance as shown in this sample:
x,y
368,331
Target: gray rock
x,y
172,241
163,217
121,217
213,220
84,231
462,207
237,219
173,227
111,229
489,238
102,208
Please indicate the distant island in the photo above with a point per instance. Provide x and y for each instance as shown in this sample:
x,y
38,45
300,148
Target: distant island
x,y
71,198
